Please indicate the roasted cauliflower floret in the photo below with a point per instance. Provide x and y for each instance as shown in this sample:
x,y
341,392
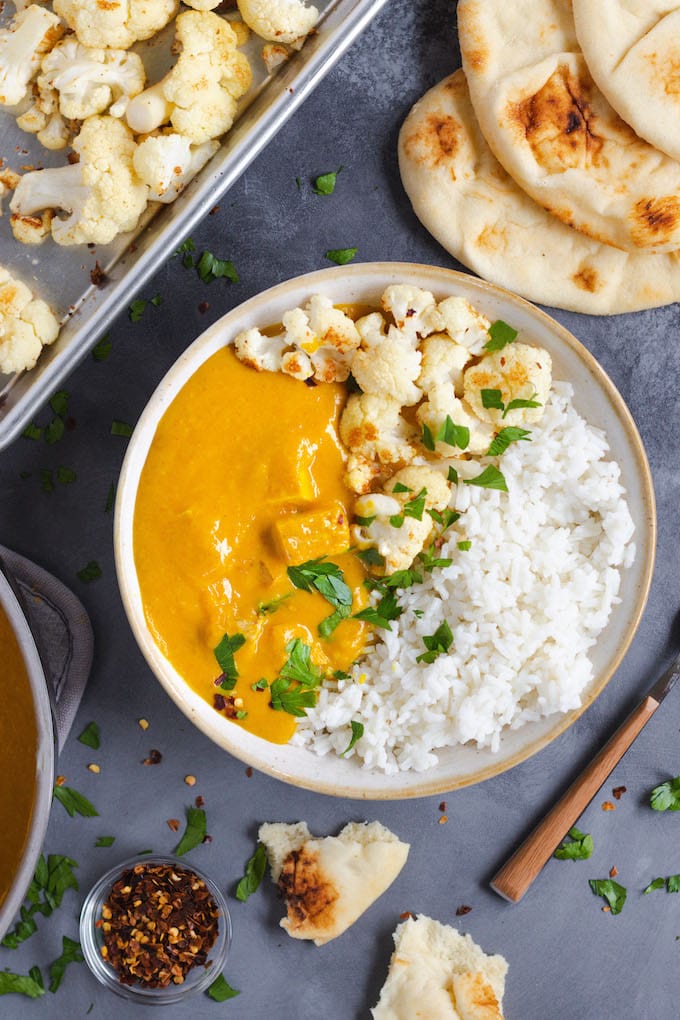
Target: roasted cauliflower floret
x,y
88,81
325,335
389,368
168,162
27,324
377,437
279,20
520,372
413,310
263,353
464,324
442,403
44,120
102,193
443,362
31,34
199,95
402,524
119,24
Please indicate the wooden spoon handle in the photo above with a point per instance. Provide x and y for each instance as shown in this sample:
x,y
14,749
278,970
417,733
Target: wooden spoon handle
x,y
517,874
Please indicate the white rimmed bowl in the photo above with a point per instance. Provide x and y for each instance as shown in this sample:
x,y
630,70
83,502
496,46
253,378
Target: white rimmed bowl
x,y
596,398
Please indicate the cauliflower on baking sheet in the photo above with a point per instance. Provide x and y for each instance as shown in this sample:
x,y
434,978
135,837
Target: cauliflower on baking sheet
x,y
198,96
89,80
516,375
115,23
27,324
32,32
168,162
281,21
101,194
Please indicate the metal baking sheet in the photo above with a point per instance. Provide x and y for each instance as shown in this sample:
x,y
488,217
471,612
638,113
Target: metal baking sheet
x,y
62,275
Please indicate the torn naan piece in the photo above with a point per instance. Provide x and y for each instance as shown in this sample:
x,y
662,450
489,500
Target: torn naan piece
x,y
438,974
632,48
552,129
328,882
467,201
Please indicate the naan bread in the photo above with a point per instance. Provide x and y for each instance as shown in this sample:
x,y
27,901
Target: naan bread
x,y
329,882
556,134
479,214
438,974
632,48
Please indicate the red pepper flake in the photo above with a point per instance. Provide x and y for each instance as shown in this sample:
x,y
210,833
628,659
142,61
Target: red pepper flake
x,y
207,839
463,910
619,791
60,780
219,702
442,806
173,823
203,307
97,275
158,922
215,209
608,806
606,910
405,915
200,802
613,872
249,772
155,757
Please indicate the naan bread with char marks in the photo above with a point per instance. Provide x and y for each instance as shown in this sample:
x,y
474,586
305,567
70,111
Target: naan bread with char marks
x,y
329,882
467,201
438,974
632,48
555,133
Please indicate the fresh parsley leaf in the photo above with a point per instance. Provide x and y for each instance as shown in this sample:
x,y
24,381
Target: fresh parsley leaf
x,y
427,438
464,546
325,183
46,482
341,256
220,990
614,893
415,507
399,579
430,559
253,875
53,876
30,984
324,577
371,557
54,431
267,608
110,498
32,431
673,883
70,953
492,398
396,520
121,428
658,883
210,268
329,623
580,847
387,609
102,348
136,310
500,335
156,301
261,685
516,405
90,572
90,736
74,802
364,522
666,797
294,700
400,487
185,249
105,841
298,183
357,734
65,475
299,668
59,403
195,832
454,435
436,644
490,478
224,653
452,476
510,434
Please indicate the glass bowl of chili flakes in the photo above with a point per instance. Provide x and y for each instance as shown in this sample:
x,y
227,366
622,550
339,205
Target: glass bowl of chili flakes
x,y
156,930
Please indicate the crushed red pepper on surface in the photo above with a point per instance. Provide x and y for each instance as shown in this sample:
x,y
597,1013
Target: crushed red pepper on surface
x,y
155,757
613,872
173,823
406,915
618,792
608,806
249,772
442,806
158,922
463,910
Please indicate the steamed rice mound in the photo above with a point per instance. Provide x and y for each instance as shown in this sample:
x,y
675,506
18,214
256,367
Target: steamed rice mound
x,y
525,604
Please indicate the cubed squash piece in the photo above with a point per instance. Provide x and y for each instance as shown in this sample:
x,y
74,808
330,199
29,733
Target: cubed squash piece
x,y
311,533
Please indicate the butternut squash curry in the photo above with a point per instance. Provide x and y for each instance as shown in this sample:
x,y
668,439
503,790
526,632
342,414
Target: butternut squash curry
x,y
18,750
241,543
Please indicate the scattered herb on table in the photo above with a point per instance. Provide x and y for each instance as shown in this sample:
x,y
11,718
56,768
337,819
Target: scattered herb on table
x,y
121,428
71,952
671,884
32,431
341,256
53,876
579,848
110,498
613,893
210,268
105,841
30,984
59,402
102,348
253,875
46,480
90,736
66,475
54,431
500,335
136,310
666,797
436,644
325,183
658,883
224,653
195,831
220,990
156,301
74,802
90,572
357,734
185,249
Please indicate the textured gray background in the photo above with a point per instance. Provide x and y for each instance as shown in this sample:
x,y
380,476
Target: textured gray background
x,y
567,958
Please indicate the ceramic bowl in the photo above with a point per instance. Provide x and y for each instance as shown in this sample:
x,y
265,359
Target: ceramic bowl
x,y
595,397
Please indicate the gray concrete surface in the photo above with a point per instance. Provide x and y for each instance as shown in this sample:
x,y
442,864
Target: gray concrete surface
x,y
567,958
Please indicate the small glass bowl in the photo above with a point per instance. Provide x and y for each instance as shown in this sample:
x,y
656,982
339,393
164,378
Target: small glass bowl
x,y
198,979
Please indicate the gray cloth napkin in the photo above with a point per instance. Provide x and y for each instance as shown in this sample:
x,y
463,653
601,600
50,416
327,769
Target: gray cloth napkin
x,y
62,631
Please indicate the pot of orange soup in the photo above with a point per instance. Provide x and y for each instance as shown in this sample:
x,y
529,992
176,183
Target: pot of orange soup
x,y
27,753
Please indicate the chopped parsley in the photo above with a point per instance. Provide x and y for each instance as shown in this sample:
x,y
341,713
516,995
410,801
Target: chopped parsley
x,y
444,517
54,431
260,685
453,435
494,399
490,478
436,644
110,498
65,475
32,431
220,990
267,608
380,615
430,559
614,894
465,546
341,256
671,884
210,268
30,984
102,348
325,183
452,476
105,841
59,402
195,831
357,734
136,309
510,434
328,580
253,875
364,522
185,249
121,428
156,301
90,572
427,438
74,802
666,797
224,653
300,671
658,883
371,557
71,952
90,736
46,480
500,335
579,847
53,876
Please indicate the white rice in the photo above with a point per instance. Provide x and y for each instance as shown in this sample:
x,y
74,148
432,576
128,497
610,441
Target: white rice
x,y
525,604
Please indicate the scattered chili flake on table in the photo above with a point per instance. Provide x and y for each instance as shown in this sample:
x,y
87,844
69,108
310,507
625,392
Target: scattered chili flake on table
x,y
443,820
155,757
190,780
405,916
613,872
442,806
608,806
158,922
463,910
173,823
60,780
249,772
200,801
618,791
144,723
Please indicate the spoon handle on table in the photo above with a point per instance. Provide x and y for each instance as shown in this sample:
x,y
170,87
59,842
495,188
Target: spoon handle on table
x,y
517,874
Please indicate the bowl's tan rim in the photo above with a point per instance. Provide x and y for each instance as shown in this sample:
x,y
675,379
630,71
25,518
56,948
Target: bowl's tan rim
x,y
433,787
